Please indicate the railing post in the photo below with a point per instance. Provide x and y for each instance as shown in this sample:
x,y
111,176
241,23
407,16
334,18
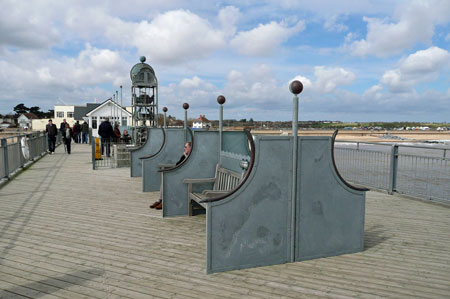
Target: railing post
x,y
295,87
4,144
445,153
93,154
21,157
393,166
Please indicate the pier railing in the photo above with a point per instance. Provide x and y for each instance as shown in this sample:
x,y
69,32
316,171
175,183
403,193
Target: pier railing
x,y
418,171
18,151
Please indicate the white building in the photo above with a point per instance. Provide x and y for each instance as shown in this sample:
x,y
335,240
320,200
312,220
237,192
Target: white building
x,y
25,120
107,109
201,123
64,112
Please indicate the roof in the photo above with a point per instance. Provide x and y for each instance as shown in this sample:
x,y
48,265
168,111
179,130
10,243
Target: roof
x,y
203,119
104,104
81,111
30,115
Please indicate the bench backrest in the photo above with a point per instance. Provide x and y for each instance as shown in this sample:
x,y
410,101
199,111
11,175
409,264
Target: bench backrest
x,y
226,179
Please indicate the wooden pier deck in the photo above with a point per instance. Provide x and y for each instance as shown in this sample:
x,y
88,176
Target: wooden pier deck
x,y
67,231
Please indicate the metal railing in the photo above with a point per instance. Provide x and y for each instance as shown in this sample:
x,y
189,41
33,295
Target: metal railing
x,y
418,171
18,151
111,153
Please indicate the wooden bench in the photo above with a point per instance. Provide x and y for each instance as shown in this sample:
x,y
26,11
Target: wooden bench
x,y
224,181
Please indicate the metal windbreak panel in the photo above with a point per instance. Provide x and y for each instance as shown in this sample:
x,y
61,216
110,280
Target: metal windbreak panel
x,y
235,142
170,154
200,164
154,142
329,215
251,227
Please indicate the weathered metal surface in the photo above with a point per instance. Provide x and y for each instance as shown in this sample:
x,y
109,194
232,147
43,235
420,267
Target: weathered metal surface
x,y
154,142
329,213
170,154
251,227
201,163
254,226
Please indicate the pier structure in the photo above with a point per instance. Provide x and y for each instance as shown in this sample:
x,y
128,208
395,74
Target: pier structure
x,y
67,231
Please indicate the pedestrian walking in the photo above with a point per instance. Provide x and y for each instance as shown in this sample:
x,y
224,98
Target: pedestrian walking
x,y
76,132
67,137
52,131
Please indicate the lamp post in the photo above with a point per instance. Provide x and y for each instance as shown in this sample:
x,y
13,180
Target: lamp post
x,y
296,88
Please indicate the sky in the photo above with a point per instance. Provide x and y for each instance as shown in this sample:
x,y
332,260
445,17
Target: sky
x,y
359,60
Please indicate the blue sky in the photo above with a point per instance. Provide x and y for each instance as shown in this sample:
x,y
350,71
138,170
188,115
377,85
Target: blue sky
x,y
359,60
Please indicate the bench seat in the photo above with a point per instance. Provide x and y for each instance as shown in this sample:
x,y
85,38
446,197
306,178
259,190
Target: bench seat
x,y
224,181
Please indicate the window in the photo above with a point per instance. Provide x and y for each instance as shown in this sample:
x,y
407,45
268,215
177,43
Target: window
x,y
60,114
94,122
69,114
124,121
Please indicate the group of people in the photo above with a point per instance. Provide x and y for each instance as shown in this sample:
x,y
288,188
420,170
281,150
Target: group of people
x,y
79,133
110,135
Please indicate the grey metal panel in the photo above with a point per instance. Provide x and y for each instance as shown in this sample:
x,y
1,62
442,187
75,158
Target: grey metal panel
x,y
155,139
200,164
251,227
232,161
170,154
235,142
329,214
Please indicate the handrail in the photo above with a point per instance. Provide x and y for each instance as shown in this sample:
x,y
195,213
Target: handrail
x,y
162,146
248,171
184,161
384,143
333,139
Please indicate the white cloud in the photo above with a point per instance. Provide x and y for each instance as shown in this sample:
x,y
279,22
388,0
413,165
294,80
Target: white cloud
x,y
228,17
22,27
264,39
422,66
327,80
416,21
332,23
177,36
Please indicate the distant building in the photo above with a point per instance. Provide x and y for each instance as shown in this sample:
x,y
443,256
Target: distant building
x,y
108,109
201,123
25,120
8,121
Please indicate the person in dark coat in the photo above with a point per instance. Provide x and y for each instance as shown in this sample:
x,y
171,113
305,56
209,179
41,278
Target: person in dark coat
x,y
52,131
62,126
67,137
76,132
105,130
84,132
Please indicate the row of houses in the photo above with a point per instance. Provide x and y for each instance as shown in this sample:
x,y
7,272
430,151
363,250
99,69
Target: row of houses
x,y
92,113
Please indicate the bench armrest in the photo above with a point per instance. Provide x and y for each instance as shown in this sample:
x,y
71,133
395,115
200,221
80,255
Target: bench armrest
x,y
214,193
166,166
199,181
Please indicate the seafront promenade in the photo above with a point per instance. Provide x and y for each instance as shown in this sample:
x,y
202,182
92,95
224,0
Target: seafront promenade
x,y
67,231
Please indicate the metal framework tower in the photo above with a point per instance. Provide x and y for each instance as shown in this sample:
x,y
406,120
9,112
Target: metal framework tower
x,y
144,99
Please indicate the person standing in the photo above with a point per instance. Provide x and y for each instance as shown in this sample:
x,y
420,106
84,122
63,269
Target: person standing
x,y
84,132
117,134
62,127
105,130
67,137
76,132
52,131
